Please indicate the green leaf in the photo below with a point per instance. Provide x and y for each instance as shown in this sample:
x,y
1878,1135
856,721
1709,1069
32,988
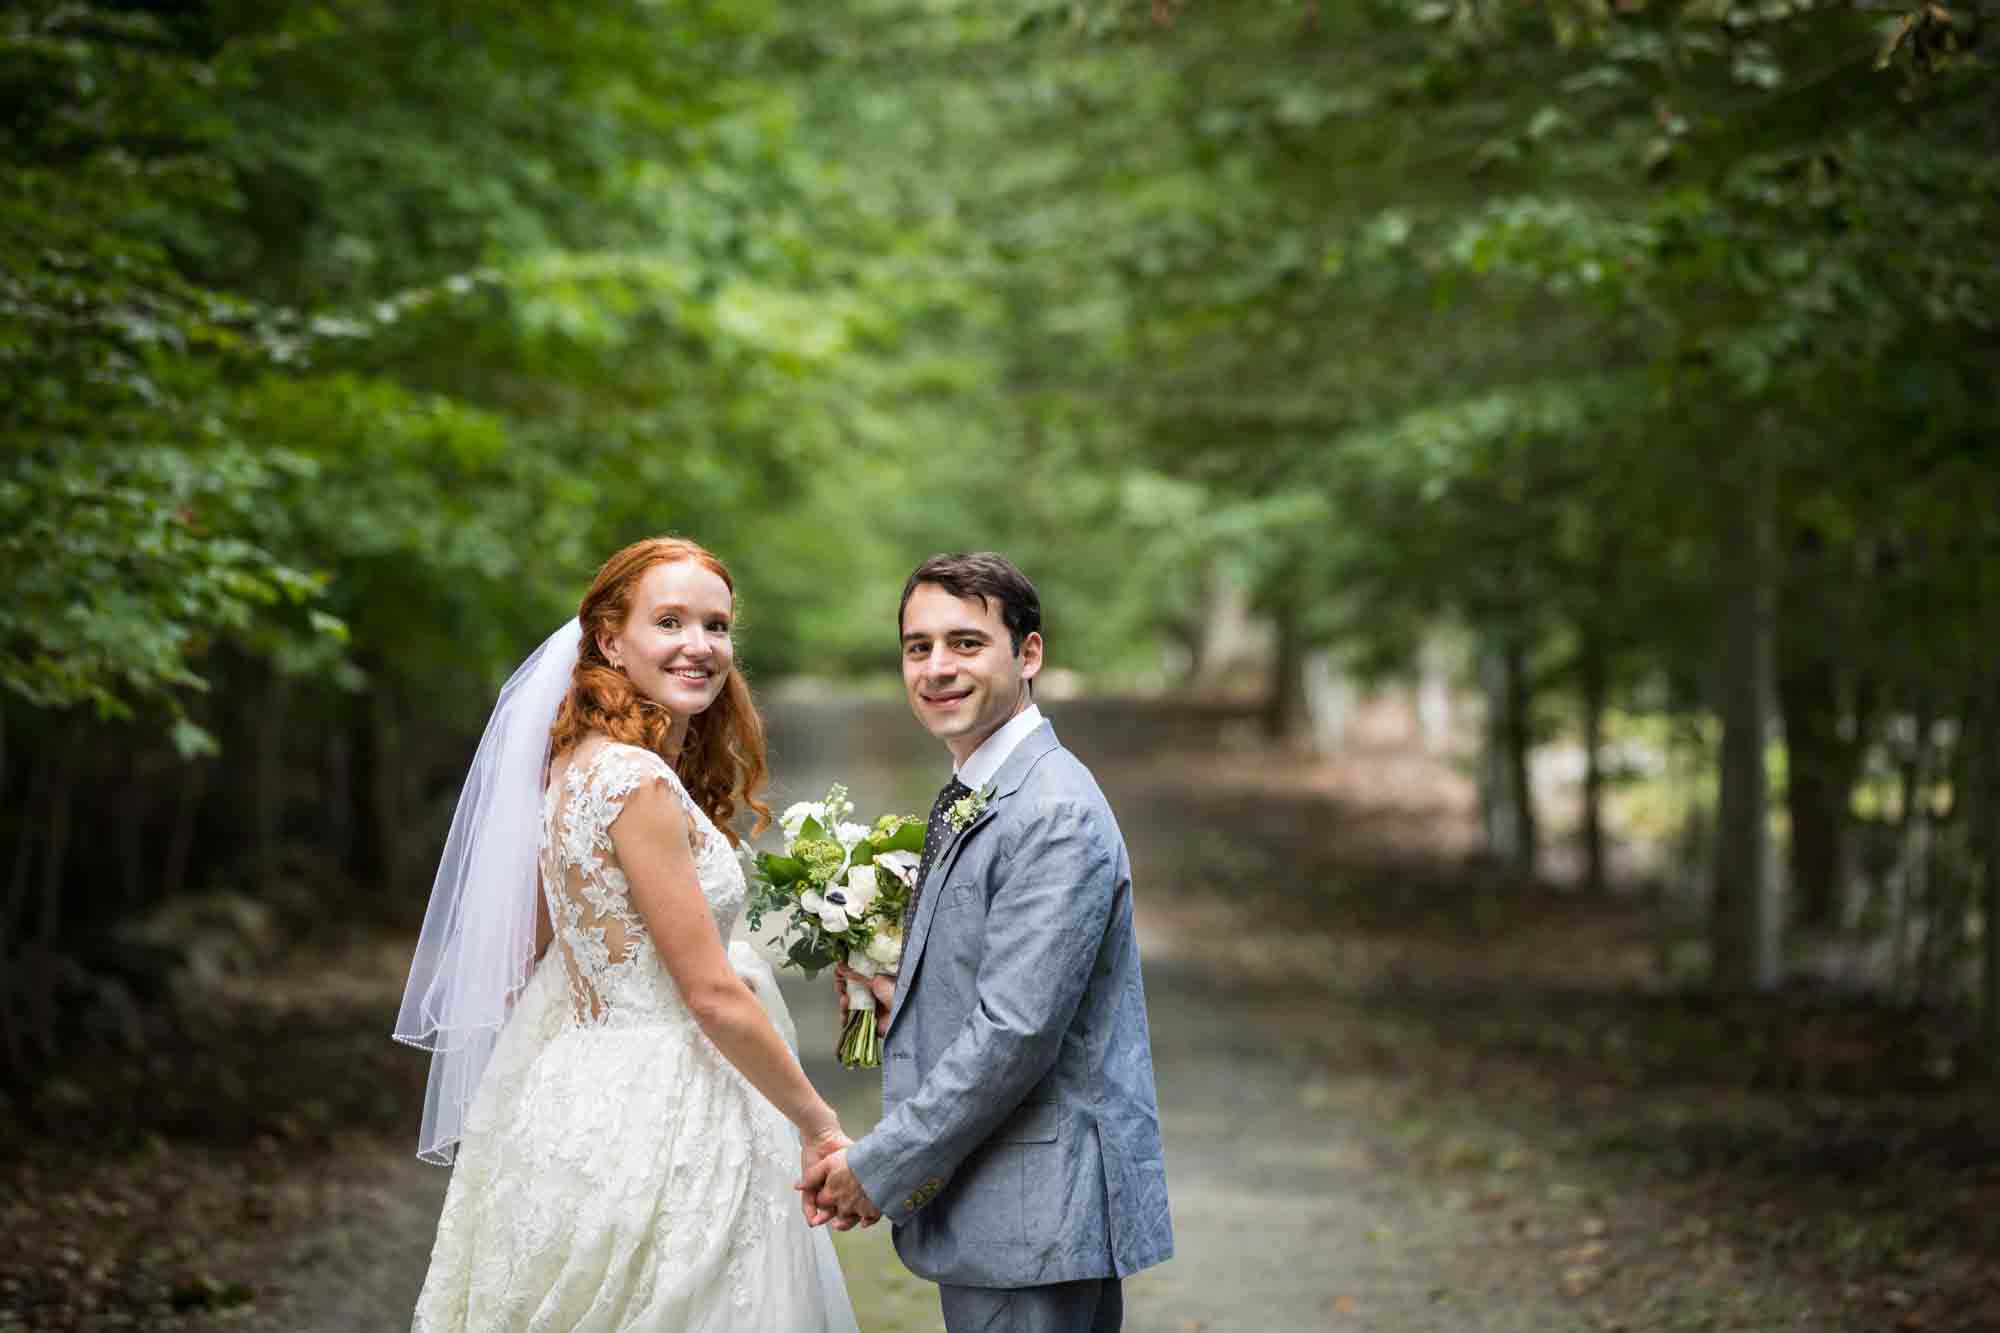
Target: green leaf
x,y
908,837
780,870
812,954
194,741
332,626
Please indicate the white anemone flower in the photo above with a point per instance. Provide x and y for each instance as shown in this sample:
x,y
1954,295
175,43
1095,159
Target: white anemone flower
x,y
862,887
829,907
903,865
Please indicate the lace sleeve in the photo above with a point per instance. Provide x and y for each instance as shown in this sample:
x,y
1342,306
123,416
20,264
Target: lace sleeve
x,y
626,768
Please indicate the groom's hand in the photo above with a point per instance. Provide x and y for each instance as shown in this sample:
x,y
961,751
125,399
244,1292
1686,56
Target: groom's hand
x,y
883,987
815,1152
832,1193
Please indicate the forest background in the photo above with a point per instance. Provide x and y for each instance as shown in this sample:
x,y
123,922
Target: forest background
x,y
1636,361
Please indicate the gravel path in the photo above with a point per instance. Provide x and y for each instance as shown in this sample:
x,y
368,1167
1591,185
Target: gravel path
x,y
1296,1202
1326,1173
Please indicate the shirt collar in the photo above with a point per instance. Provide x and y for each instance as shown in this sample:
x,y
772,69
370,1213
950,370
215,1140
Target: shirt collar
x,y
979,768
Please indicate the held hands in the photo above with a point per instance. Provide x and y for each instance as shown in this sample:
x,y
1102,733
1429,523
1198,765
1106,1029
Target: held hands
x,y
828,1191
815,1151
829,1194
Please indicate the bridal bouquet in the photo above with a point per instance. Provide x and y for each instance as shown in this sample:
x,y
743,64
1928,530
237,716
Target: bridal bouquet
x,y
845,886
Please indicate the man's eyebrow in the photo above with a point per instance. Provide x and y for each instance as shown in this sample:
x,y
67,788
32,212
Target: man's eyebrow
x,y
962,632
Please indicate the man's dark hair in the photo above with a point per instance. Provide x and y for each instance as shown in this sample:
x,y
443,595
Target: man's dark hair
x,y
982,574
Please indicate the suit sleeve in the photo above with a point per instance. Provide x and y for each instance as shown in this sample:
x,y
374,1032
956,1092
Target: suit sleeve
x,y
1044,927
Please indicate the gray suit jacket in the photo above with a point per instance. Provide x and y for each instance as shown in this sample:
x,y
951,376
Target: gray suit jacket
x,y
1020,1138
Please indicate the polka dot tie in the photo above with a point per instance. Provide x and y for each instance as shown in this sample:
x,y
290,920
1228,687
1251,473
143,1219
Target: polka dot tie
x,y
935,833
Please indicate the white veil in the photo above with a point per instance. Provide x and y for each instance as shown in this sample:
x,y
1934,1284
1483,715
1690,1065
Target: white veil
x,y
477,949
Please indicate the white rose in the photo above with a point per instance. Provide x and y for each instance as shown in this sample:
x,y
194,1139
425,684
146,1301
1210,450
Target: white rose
x,y
903,865
861,889
795,817
886,949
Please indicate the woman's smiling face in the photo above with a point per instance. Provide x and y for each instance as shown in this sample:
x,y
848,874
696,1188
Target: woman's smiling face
x,y
675,645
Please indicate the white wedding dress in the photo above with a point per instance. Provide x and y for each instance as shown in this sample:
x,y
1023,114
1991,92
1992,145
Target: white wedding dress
x,y
616,1172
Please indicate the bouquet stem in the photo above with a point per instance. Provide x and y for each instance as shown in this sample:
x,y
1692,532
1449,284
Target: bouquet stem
x,y
860,1044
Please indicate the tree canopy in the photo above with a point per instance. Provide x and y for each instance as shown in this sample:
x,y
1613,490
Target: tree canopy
x,y
338,344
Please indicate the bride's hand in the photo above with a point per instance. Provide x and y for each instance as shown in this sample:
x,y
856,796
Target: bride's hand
x,y
822,1145
837,1195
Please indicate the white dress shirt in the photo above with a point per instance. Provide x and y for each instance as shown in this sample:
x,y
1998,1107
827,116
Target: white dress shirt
x,y
979,768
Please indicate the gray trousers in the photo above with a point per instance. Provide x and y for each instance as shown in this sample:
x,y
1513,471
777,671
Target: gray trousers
x,y
1095,1306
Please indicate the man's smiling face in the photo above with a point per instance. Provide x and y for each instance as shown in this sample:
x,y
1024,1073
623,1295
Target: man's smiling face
x,y
960,669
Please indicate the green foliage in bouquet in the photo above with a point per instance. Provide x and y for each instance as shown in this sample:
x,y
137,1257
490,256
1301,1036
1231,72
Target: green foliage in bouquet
x,y
816,861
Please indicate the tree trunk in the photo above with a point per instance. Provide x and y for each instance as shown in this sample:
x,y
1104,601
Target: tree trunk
x,y
368,859
55,867
179,859
1329,702
337,792
1686,880
1988,815
1743,923
1906,885
267,800
380,790
1520,743
1496,786
1218,637
55,854
1434,694
1593,685
13,911
1948,871
133,817
1509,800
1820,769
1288,708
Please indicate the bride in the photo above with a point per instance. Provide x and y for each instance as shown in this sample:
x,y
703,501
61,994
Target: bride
x,y
620,1093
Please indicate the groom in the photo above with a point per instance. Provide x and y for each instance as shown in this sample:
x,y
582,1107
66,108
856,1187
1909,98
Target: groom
x,y
1018,1153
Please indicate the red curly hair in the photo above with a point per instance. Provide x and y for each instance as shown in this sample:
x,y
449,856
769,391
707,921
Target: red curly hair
x,y
722,759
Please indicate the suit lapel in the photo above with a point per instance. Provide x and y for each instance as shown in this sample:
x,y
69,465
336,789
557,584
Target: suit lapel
x,y
1005,783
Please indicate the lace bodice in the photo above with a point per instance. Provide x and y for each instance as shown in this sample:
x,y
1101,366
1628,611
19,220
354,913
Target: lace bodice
x,y
615,975
617,1173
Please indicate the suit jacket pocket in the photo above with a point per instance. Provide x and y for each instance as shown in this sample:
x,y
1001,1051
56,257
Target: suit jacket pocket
x,y
958,896
1032,1122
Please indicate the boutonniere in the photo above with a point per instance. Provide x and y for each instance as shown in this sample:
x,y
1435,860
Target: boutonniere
x,y
968,808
